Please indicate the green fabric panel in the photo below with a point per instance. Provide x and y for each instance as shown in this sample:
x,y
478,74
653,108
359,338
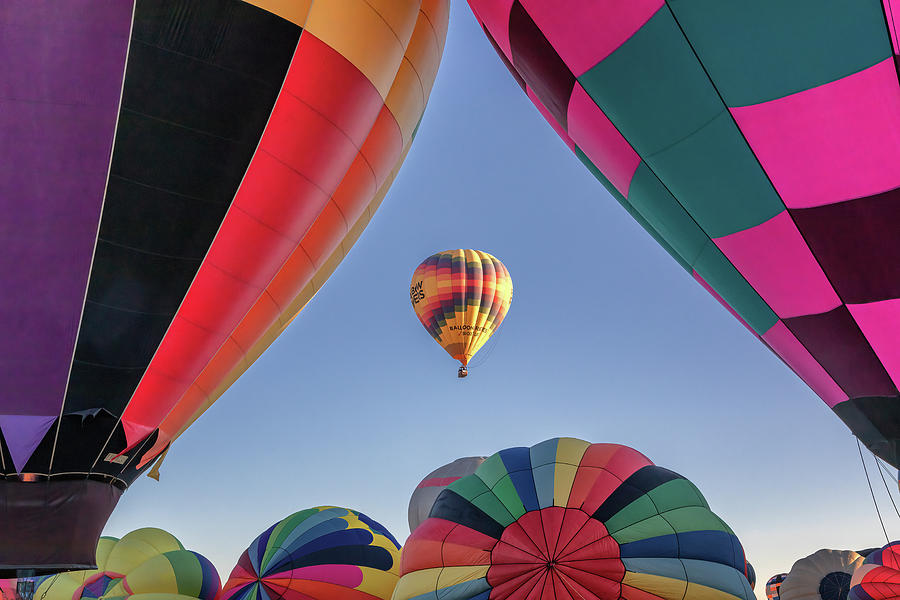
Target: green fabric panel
x,y
653,88
631,210
284,529
653,527
505,491
188,572
766,49
491,470
469,487
718,272
694,518
676,494
717,576
664,567
637,510
664,214
492,506
464,590
716,177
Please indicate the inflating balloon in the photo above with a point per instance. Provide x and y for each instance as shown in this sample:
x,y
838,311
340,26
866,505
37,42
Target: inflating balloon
x,y
143,565
773,586
434,483
570,520
751,576
767,169
879,576
180,178
322,553
824,575
461,298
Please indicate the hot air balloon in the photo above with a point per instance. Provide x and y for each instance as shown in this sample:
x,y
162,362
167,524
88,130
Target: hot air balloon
x,y
766,169
824,575
322,553
567,520
434,483
179,177
773,586
879,576
143,565
750,572
461,298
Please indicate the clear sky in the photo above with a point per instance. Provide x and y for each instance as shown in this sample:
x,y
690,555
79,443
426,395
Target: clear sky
x,y
607,339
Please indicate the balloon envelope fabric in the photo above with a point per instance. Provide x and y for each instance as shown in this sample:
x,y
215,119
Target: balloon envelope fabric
x,y
144,563
322,553
773,586
879,576
766,169
461,297
433,484
566,520
823,575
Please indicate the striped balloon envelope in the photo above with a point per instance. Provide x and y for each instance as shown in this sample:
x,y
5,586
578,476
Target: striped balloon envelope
x,y
322,553
179,178
879,576
146,564
461,297
757,143
570,520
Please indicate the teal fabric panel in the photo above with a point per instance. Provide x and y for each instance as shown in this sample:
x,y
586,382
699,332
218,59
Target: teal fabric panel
x,y
765,49
716,177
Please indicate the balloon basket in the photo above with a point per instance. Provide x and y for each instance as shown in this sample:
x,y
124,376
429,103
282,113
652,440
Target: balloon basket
x,y
463,372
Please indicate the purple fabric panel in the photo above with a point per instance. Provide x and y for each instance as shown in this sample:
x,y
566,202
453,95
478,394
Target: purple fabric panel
x,y
63,62
23,433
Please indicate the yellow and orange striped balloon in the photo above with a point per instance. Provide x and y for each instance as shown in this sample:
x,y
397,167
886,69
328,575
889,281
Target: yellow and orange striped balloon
x,y
461,298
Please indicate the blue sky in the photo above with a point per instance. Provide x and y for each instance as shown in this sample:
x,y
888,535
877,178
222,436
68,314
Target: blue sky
x,y
607,339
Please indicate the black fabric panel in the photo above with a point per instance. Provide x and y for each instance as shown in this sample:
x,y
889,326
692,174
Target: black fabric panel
x,y
856,244
201,80
126,471
876,422
538,63
452,507
642,481
52,526
374,557
836,342
81,439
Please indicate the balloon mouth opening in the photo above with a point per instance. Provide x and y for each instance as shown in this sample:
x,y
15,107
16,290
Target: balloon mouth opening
x,y
51,541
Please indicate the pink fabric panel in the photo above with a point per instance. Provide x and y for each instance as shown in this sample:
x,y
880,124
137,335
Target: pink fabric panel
x,y
832,143
716,295
348,576
584,32
494,15
880,323
775,260
783,342
601,141
437,482
551,120
892,12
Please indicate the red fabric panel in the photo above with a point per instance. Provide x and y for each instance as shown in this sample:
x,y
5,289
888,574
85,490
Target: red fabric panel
x,y
325,112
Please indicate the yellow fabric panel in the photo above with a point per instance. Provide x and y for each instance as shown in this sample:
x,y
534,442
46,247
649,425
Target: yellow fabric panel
x,y
379,583
104,547
455,575
371,34
139,546
294,11
563,476
664,587
417,583
154,576
63,586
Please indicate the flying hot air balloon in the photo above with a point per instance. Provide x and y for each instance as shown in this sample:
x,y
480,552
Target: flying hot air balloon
x,y
773,586
758,143
570,520
461,297
179,177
